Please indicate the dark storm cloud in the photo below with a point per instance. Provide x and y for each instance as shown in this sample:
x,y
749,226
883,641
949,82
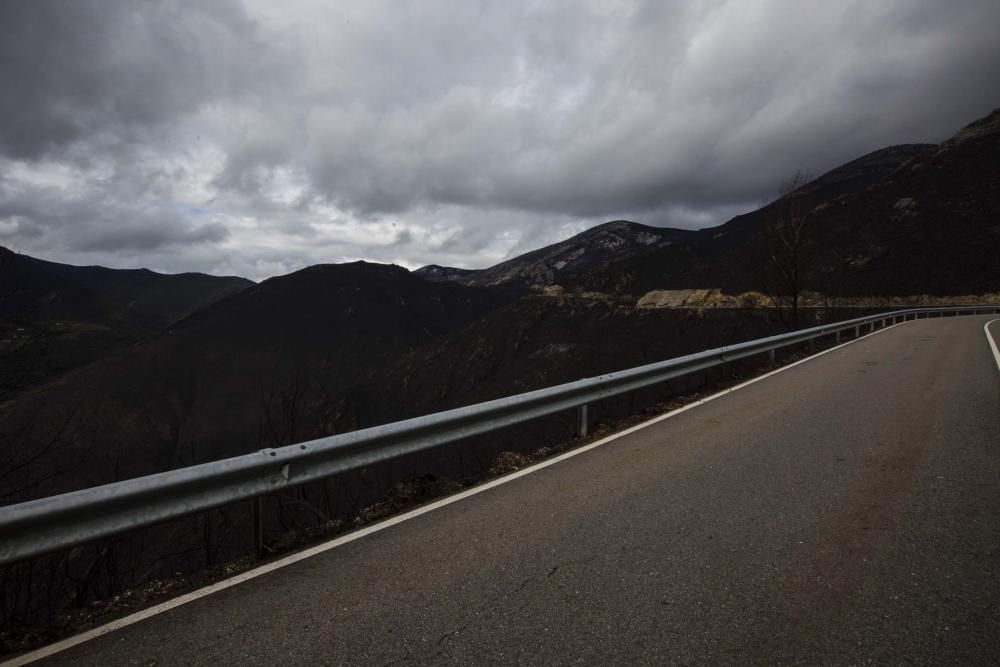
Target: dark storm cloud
x,y
257,137
590,113
73,70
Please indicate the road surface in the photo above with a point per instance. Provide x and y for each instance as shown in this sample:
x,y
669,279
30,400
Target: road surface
x,y
846,510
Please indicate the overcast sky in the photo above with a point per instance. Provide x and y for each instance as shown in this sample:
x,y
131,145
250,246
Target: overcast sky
x,y
261,136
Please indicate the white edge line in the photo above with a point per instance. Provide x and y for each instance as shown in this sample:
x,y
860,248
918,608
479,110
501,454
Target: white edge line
x,y
120,623
993,343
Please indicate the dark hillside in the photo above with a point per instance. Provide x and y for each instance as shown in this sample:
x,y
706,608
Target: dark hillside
x,y
50,324
156,297
30,292
266,366
538,342
906,220
56,317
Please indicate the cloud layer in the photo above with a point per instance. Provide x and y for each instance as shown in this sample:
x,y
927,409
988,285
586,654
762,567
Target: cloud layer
x,y
258,137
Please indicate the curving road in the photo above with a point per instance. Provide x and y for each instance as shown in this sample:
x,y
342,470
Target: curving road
x,y
846,510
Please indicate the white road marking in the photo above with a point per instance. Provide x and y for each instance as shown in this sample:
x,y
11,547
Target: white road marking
x,y
992,342
120,623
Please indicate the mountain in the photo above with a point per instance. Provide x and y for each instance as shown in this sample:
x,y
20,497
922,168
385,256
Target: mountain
x,y
272,364
156,297
56,317
905,220
28,292
436,273
619,240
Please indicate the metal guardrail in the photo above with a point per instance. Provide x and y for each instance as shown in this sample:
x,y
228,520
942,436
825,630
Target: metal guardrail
x,y
43,525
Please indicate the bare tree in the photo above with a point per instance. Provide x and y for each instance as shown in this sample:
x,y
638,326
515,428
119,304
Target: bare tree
x,y
787,247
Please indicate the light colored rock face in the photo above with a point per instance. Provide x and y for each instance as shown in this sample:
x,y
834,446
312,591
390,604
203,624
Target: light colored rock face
x,y
435,273
905,207
592,248
684,298
982,127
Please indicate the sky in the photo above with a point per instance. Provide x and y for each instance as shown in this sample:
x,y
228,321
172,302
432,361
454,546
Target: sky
x,y
257,137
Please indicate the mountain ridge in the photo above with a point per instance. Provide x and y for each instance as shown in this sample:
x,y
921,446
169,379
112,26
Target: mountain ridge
x,y
865,217
613,240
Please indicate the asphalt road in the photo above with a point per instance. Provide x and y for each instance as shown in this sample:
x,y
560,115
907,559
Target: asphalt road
x,y
843,511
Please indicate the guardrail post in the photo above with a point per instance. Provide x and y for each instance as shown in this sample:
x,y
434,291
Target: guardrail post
x,y
812,344
836,337
257,505
582,423
770,357
857,331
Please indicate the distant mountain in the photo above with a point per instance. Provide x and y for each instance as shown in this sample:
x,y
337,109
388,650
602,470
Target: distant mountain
x,y
905,220
156,297
435,273
56,317
619,240
730,256
28,290
272,364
